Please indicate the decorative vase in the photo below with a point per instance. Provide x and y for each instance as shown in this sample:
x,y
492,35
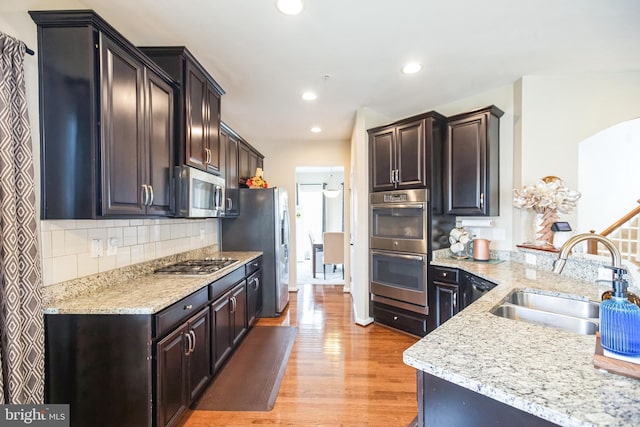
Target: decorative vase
x,y
541,227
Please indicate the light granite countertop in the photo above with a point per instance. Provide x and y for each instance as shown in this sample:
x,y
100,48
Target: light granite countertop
x,y
544,371
145,294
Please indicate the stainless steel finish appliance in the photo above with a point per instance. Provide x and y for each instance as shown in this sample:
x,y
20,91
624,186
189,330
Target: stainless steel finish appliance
x,y
196,267
399,279
199,194
399,220
402,233
263,225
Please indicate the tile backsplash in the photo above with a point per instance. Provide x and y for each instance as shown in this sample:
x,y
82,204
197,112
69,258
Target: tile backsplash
x,y
71,249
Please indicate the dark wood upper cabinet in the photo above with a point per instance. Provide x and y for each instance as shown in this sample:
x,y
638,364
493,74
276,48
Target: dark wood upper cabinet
x,y
408,154
106,122
248,160
230,141
471,159
198,107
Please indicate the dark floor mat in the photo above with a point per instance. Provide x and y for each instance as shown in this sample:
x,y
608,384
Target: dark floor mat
x,y
251,379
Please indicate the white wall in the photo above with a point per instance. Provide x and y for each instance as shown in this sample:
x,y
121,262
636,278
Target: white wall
x,y
559,112
359,218
609,175
280,163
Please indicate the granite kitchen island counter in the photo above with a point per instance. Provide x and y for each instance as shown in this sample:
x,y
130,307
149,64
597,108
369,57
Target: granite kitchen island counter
x,y
540,370
143,294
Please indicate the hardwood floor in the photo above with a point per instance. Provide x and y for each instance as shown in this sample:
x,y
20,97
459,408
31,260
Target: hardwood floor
x,y
339,373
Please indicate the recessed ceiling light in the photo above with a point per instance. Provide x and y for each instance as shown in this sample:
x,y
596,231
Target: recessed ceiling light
x,y
411,68
316,129
290,7
309,96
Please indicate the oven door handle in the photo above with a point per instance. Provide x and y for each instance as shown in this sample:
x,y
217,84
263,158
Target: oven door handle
x,y
403,256
399,206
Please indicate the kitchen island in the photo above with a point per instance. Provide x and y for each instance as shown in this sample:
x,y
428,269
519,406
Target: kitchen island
x,y
537,370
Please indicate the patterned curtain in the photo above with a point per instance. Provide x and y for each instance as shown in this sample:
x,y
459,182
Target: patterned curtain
x,y
21,318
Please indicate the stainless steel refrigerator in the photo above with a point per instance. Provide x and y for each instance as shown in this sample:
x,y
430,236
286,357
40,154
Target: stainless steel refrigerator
x,y
263,225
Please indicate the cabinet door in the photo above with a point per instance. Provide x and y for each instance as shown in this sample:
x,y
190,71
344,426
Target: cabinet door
x,y
472,163
171,377
231,175
212,102
447,302
160,134
195,139
253,163
410,155
244,168
381,160
123,141
465,158
200,356
254,297
239,312
221,328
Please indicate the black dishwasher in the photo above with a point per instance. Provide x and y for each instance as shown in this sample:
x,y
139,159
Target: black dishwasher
x,y
473,287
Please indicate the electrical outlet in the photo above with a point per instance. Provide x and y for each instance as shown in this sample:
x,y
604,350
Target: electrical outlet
x,y
96,248
530,274
530,259
112,246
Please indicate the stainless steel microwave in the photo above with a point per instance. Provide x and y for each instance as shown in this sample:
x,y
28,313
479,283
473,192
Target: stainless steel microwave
x,y
198,194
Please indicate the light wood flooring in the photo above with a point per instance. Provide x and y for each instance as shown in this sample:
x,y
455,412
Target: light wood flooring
x,y
339,373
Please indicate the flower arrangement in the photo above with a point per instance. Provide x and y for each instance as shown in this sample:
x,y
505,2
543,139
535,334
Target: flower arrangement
x,y
257,181
548,193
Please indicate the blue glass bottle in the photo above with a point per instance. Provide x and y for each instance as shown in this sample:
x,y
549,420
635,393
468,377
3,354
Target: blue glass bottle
x,y
620,322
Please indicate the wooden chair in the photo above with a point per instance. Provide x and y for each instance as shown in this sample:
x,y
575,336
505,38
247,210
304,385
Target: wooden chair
x,y
333,249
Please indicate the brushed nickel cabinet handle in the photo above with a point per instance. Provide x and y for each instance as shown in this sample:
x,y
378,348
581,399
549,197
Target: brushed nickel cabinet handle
x,y
229,203
395,317
481,200
151,195
193,334
233,304
188,335
256,284
188,307
455,299
145,194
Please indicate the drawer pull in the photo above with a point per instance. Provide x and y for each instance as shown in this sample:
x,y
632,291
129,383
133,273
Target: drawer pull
x,y
395,317
444,274
188,307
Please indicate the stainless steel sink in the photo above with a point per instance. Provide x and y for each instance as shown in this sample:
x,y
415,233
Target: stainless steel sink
x,y
556,304
568,314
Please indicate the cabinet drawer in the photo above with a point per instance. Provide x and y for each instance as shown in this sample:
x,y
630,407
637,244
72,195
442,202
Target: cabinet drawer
x,y
252,266
223,284
444,274
414,324
180,311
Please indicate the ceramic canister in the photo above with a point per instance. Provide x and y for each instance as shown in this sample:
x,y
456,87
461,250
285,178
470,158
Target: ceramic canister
x,y
481,249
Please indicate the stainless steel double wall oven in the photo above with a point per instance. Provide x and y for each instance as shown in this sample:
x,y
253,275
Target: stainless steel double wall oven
x,y
402,234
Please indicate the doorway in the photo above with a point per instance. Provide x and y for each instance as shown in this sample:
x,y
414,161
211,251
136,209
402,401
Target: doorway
x,y
319,208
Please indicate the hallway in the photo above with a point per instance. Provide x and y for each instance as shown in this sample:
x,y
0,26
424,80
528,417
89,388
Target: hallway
x,y
339,373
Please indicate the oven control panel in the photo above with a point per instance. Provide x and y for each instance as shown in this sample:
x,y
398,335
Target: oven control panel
x,y
395,197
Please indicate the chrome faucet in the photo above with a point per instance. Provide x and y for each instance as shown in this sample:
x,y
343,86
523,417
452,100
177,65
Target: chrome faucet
x,y
558,264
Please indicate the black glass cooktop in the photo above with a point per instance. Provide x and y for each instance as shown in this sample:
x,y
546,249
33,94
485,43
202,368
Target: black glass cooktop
x,y
196,266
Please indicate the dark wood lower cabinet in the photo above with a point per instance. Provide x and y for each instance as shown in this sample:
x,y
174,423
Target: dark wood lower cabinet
x,y
403,320
254,297
442,403
221,329
144,370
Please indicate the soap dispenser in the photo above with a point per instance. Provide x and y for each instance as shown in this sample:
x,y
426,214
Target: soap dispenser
x,y
620,320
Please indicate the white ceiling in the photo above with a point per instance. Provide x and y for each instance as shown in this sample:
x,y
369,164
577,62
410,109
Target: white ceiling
x,y
264,60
